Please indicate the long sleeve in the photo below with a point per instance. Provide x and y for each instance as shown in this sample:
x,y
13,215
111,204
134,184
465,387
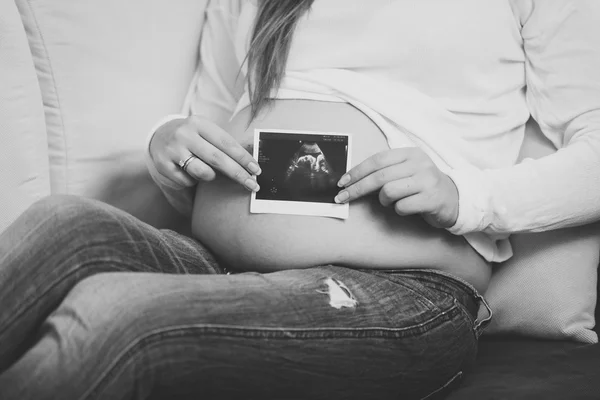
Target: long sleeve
x,y
561,41
214,92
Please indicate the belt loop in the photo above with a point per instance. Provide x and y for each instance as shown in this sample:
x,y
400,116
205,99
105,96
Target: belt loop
x,y
480,325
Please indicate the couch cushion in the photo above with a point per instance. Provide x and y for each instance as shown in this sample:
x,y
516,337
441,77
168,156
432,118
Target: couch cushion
x,y
108,71
512,368
24,174
548,289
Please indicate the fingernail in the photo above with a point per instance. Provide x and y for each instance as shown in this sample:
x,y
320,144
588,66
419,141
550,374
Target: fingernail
x,y
254,168
344,180
251,185
342,197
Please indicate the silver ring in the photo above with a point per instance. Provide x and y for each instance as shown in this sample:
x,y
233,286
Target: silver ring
x,y
183,163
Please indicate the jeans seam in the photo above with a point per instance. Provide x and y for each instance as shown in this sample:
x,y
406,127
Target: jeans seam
x,y
259,333
445,274
472,320
420,293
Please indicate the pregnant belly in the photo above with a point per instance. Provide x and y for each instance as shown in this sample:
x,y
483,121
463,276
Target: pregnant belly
x,y
372,236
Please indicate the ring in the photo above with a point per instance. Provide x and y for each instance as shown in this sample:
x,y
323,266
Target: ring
x,y
183,164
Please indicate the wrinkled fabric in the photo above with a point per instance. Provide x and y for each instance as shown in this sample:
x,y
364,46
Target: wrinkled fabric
x,y
96,304
449,78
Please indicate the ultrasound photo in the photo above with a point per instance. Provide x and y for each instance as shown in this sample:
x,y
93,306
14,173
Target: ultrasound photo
x,y
300,171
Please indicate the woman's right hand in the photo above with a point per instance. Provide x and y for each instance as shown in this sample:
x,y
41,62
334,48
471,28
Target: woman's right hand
x,y
214,150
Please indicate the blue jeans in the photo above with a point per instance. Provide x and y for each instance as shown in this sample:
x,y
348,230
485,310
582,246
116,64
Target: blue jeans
x,y
98,305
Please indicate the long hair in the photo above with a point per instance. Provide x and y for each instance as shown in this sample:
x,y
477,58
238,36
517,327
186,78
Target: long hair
x,y
270,46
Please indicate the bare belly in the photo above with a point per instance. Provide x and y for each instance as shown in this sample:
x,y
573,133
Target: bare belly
x,y
372,237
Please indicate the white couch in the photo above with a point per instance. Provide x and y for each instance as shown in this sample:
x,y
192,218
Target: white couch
x,y
83,81
81,84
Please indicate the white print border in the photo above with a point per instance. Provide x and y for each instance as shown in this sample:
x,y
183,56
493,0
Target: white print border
x,y
259,206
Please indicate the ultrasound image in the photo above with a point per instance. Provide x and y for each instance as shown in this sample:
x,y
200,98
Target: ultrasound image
x,y
299,167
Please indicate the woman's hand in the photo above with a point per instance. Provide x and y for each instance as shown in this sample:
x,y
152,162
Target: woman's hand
x,y
407,179
214,150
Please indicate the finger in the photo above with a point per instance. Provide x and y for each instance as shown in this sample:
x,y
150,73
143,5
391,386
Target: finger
x,y
223,141
374,163
199,170
415,204
375,181
171,174
218,160
175,174
397,190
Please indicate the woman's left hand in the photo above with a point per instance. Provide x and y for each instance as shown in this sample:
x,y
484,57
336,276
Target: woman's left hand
x,y
407,179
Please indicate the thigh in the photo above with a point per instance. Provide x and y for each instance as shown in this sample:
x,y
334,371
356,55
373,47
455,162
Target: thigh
x,y
325,332
61,240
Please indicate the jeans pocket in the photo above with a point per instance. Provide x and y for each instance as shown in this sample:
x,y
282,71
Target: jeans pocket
x,y
435,300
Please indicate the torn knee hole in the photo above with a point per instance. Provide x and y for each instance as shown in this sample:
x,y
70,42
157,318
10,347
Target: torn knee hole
x,y
339,294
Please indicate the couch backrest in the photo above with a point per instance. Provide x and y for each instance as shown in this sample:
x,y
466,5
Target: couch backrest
x,y
81,85
24,173
108,70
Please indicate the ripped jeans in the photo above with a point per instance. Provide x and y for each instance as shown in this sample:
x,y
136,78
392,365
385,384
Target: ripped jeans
x,y
98,305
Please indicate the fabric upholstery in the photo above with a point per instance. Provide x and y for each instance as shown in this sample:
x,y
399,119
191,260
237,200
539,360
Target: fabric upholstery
x,y
108,70
548,289
525,369
24,176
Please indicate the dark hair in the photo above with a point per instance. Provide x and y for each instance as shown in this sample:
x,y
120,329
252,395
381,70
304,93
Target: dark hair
x,y
270,45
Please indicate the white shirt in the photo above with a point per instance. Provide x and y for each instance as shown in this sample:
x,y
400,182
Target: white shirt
x,y
457,78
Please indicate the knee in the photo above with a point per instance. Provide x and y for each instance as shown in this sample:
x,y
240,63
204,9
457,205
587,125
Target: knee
x,y
58,215
62,208
62,225
93,302
80,341
105,306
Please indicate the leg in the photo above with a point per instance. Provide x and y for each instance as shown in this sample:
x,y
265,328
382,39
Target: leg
x,y
61,240
279,335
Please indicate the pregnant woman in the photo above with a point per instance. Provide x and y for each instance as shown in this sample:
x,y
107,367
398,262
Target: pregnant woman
x,y
386,304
